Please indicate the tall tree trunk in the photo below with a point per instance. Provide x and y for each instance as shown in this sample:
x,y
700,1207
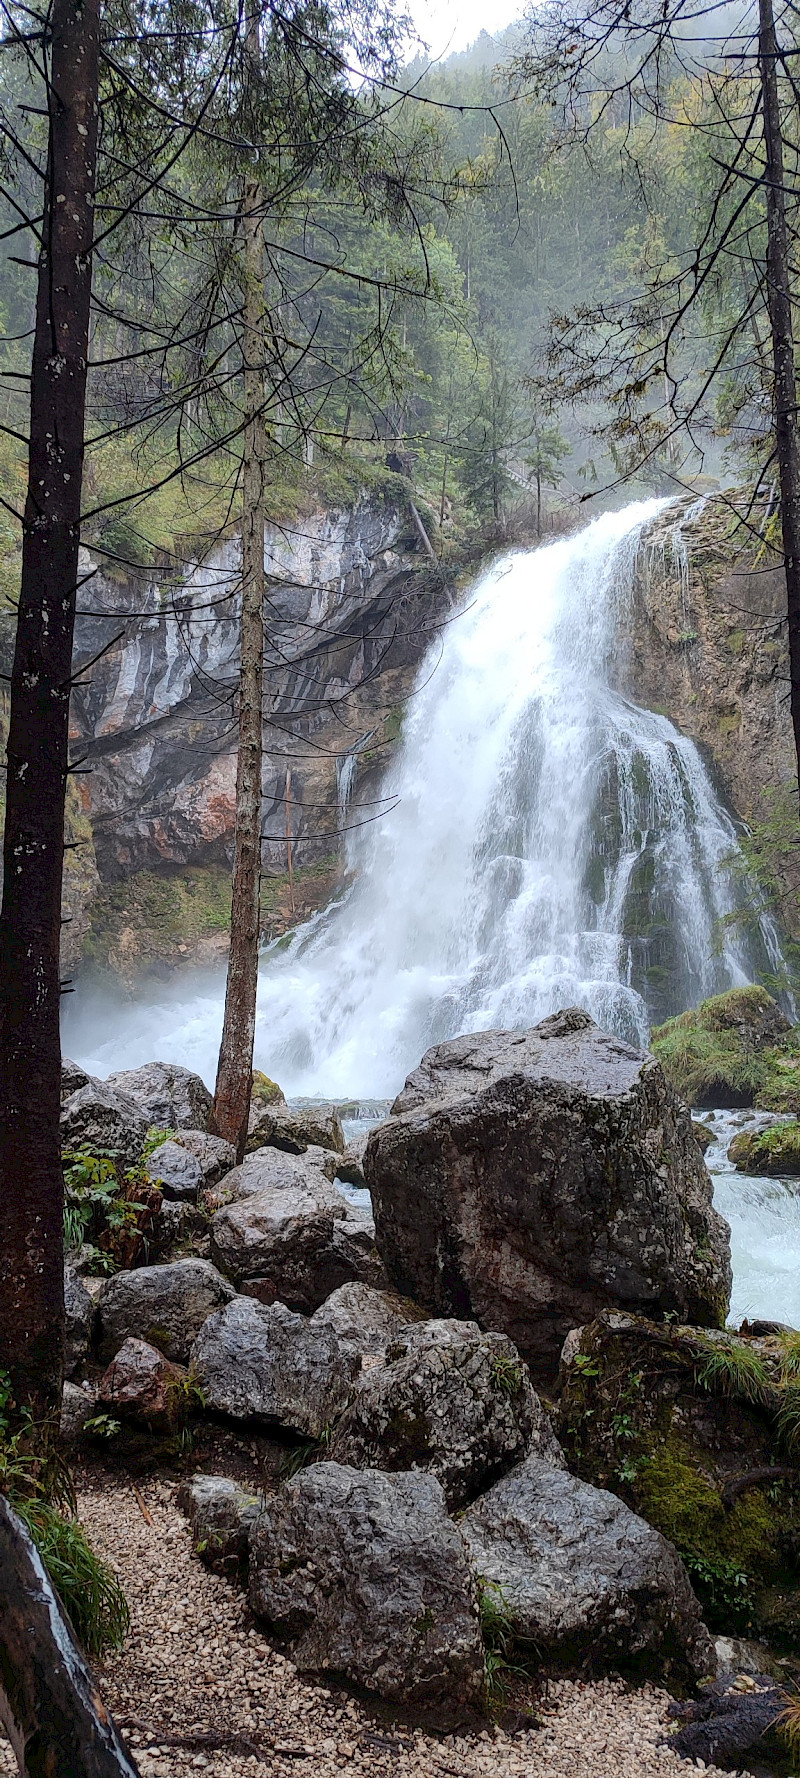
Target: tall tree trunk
x,y
779,299
31,1184
232,1094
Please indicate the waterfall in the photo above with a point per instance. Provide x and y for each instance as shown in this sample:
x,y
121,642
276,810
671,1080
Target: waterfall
x,y
550,844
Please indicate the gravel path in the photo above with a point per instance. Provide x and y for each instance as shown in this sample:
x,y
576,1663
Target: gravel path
x,y
196,1688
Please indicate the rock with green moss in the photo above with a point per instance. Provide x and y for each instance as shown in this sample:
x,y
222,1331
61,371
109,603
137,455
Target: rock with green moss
x,y
774,1152
735,1050
702,1135
450,1400
265,1091
698,1432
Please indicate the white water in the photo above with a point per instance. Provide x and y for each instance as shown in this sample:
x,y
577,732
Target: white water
x,y
539,816
764,1217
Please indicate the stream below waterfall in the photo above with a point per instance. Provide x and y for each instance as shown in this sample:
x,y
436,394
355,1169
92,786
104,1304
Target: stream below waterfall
x,y
546,843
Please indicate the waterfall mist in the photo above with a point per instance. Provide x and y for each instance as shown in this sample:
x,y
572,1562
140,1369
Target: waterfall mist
x,y
551,844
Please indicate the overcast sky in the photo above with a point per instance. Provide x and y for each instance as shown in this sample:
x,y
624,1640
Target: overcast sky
x,y
453,24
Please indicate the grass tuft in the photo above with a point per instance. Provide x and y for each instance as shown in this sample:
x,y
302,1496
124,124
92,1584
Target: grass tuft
x,y
739,1372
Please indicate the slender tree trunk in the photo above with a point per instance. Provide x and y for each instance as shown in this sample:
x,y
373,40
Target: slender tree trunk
x,y
779,298
31,1183
234,1071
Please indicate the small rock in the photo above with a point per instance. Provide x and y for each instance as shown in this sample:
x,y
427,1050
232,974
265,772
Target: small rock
x,y
215,1155
178,1172
142,1386
450,1400
97,1116
77,1406
351,1165
221,1515
172,1098
268,1365
583,1578
265,1091
364,1575
164,1305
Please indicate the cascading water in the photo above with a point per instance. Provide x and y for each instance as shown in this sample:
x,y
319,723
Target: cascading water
x,y
550,844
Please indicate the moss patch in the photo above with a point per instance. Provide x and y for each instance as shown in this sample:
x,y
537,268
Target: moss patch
x,y
736,1049
774,1152
655,1415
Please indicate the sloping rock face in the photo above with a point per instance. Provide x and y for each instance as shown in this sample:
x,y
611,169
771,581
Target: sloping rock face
x,y
366,1321
584,1579
527,1175
365,1577
708,646
449,1400
348,601
98,1116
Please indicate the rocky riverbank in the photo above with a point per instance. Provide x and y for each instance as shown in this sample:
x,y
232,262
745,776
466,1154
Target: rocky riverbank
x,y
362,1429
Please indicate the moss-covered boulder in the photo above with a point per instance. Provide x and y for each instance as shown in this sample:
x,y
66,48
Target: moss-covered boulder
x,y
265,1091
699,1432
735,1050
775,1152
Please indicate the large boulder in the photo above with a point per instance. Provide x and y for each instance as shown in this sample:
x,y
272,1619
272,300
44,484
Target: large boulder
x,y
272,1169
143,1387
364,1576
221,1517
97,1116
365,1321
172,1098
450,1400
693,1429
532,1178
583,1579
293,1242
165,1305
273,1367
80,1311
294,1127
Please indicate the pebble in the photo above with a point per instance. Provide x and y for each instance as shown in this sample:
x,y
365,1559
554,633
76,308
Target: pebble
x,y
193,1668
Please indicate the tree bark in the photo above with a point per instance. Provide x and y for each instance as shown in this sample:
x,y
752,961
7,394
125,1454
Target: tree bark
x,y
234,1072
49,1705
779,300
31,1184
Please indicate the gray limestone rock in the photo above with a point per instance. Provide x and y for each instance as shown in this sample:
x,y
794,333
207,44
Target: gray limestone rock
x,y
172,1098
178,1172
364,1320
584,1579
216,1156
294,1128
221,1516
532,1178
72,1077
292,1240
266,1364
351,1165
77,1406
80,1314
450,1400
165,1305
97,1116
363,1575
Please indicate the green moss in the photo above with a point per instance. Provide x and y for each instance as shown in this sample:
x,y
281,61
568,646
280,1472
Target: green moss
x,y
735,1049
265,1091
773,1152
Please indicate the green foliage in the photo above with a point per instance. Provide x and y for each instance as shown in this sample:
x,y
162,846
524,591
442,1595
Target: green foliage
x,y
508,1374
773,1152
37,1484
102,1426
99,1199
155,1138
725,1590
738,1371
499,1633
732,1049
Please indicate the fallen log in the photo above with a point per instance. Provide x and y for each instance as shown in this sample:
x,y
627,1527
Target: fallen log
x,y
49,1706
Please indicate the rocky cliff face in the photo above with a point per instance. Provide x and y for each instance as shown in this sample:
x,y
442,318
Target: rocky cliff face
x,y
350,604
708,645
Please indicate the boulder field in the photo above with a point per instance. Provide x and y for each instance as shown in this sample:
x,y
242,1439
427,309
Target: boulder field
x,y
437,1479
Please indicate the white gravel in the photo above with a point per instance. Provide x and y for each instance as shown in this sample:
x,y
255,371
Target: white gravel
x,y
196,1689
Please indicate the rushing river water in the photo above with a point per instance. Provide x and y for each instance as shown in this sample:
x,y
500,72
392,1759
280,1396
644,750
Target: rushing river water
x,y
550,844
